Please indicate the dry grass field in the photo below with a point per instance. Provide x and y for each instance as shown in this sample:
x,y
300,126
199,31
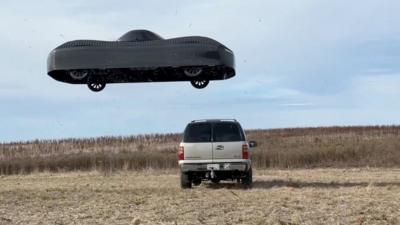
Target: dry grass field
x,y
325,175
340,147
315,196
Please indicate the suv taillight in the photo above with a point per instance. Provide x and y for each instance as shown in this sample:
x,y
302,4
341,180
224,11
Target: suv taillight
x,y
181,154
245,151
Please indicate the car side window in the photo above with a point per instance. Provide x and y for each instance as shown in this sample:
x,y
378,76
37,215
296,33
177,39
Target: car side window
x,y
197,132
226,132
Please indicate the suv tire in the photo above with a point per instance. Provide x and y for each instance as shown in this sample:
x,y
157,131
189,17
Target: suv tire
x,y
215,180
185,181
247,180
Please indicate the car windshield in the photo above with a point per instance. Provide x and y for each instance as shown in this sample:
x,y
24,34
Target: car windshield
x,y
140,35
198,132
224,132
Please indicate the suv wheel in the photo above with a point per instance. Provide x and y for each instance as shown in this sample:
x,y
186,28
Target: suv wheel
x,y
197,182
247,180
215,180
185,181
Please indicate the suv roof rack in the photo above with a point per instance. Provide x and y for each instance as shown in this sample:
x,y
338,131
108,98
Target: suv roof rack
x,y
213,120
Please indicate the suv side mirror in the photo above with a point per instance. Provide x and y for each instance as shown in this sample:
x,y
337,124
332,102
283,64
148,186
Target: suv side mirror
x,y
252,144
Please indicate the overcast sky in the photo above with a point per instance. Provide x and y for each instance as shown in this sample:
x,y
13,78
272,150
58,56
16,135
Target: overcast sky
x,y
298,63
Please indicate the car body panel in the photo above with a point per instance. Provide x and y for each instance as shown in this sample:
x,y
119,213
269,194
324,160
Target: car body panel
x,y
152,60
198,151
202,167
227,150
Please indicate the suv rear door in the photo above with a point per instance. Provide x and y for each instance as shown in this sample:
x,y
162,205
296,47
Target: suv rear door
x,y
228,138
197,141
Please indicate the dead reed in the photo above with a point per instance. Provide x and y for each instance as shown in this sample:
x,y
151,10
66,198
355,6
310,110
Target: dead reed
x,y
368,146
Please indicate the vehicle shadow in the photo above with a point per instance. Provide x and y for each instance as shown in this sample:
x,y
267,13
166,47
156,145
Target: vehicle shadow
x,y
319,184
268,184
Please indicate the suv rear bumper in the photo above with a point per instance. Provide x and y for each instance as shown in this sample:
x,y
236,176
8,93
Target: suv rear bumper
x,y
223,166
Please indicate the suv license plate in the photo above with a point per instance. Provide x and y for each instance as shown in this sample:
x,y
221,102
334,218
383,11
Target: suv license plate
x,y
212,166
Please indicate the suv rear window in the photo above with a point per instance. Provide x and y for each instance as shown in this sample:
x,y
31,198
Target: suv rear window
x,y
197,132
225,132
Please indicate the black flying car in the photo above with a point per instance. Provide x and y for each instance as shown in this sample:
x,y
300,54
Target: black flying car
x,y
141,56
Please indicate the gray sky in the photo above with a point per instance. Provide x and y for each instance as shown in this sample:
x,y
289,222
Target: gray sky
x,y
298,63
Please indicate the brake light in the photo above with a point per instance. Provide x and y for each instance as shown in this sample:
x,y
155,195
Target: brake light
x,y
245,151
181,154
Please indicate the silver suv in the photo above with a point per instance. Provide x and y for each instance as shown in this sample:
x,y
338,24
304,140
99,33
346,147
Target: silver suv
x,y
214,150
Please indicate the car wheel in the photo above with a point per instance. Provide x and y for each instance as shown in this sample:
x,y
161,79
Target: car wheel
x,y
96,85
215,181
196,182
199,84
193,71
185,181
78,74
247,180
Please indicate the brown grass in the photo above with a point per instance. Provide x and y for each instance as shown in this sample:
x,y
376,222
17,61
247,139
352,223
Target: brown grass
x,y
372,146
302,196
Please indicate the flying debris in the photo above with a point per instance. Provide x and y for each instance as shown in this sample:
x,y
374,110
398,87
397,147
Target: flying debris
x,y
141,56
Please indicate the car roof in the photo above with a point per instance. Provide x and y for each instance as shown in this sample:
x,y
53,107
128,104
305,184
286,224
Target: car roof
x,y
139,35
213,120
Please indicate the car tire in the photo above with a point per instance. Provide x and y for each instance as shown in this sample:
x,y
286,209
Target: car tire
x,y
185,181
78,74
247,180
192,71
196,182
96,85
215,180
199,83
